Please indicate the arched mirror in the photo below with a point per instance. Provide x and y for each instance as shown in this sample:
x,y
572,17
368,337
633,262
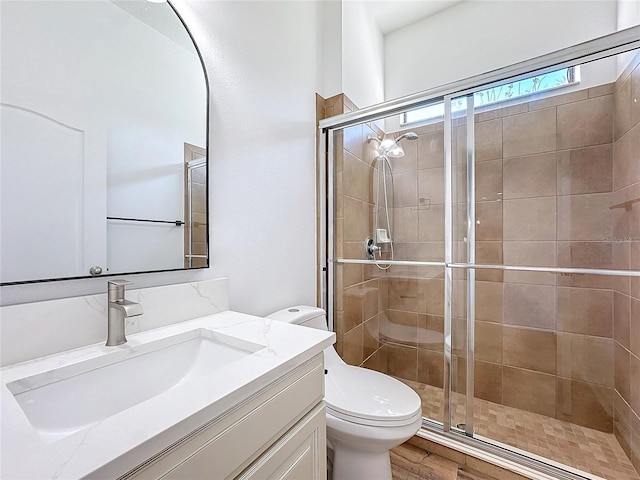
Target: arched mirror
x,y
103,160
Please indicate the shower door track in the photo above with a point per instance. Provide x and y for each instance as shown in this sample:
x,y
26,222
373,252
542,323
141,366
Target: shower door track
x,y
506,456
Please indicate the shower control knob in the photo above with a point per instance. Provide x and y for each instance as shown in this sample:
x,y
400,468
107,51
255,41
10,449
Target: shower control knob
x,y
370,248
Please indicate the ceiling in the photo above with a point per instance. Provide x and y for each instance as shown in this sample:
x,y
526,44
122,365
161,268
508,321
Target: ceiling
x,y
390,15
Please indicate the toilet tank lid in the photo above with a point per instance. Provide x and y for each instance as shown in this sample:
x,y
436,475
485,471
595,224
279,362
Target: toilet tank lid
x,y
297,314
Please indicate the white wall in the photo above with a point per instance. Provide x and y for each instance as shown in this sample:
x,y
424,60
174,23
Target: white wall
x,y
628,16
362,55
262,64
474,37
261,59
628,13
329,48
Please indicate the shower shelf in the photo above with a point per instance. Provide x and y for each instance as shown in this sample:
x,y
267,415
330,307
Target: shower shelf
x,y
626,205
425,204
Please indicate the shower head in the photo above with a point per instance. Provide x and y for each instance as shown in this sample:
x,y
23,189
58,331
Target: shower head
x,y
391,146
408,136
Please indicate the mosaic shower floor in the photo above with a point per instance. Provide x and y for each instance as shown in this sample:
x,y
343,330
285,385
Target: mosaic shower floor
x,y
583,448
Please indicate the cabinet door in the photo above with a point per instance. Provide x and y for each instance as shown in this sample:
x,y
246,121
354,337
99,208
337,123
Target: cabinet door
x,y
301,454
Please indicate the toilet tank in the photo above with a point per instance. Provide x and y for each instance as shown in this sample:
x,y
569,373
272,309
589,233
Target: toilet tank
x,y
304,315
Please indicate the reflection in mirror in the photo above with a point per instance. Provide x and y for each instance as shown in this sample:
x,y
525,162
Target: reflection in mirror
x,y
195,233
103,165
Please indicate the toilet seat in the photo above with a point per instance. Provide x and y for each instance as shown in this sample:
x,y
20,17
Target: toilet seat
x,y
367,397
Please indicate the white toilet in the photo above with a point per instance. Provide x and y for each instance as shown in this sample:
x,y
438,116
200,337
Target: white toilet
x,y
368,412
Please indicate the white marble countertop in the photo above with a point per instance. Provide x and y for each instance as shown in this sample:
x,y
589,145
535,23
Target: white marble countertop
x,y
115,445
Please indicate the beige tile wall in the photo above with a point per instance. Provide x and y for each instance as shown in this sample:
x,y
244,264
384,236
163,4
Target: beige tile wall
x,y
626,254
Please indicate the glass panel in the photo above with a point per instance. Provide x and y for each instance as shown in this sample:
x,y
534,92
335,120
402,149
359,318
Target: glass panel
x,y
389,187
459,352
460,253
556,185
551,369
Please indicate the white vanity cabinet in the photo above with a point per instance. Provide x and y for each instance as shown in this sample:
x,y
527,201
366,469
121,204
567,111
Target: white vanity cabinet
x,y
279,432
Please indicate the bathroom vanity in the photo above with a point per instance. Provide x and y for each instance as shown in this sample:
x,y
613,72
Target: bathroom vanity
x,y
279,433
226,395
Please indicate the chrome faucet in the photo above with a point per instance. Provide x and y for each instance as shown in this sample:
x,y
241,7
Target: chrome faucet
x,y
118,309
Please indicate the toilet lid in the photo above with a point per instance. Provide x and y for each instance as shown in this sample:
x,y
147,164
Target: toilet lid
x,y
369,397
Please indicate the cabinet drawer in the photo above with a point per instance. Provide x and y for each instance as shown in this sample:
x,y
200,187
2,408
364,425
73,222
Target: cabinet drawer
x,y
300,455
227,446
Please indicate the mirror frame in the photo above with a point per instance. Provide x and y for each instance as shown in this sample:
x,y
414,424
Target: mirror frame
x,y
208,263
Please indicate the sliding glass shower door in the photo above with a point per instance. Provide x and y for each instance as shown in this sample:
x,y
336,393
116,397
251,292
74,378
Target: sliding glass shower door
x,y
388,242
550,264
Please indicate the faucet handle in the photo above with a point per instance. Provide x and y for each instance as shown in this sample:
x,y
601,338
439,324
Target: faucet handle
x,y
115,289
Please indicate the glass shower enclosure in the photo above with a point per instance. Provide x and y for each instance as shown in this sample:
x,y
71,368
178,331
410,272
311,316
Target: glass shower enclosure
x,y
484,248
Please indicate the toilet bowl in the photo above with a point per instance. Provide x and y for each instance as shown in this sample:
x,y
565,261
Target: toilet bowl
x,y
368,412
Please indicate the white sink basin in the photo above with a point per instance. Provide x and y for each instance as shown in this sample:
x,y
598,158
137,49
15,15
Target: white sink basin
x,y
64,400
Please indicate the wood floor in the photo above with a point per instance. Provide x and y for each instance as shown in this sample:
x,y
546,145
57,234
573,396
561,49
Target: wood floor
x,y
412,463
